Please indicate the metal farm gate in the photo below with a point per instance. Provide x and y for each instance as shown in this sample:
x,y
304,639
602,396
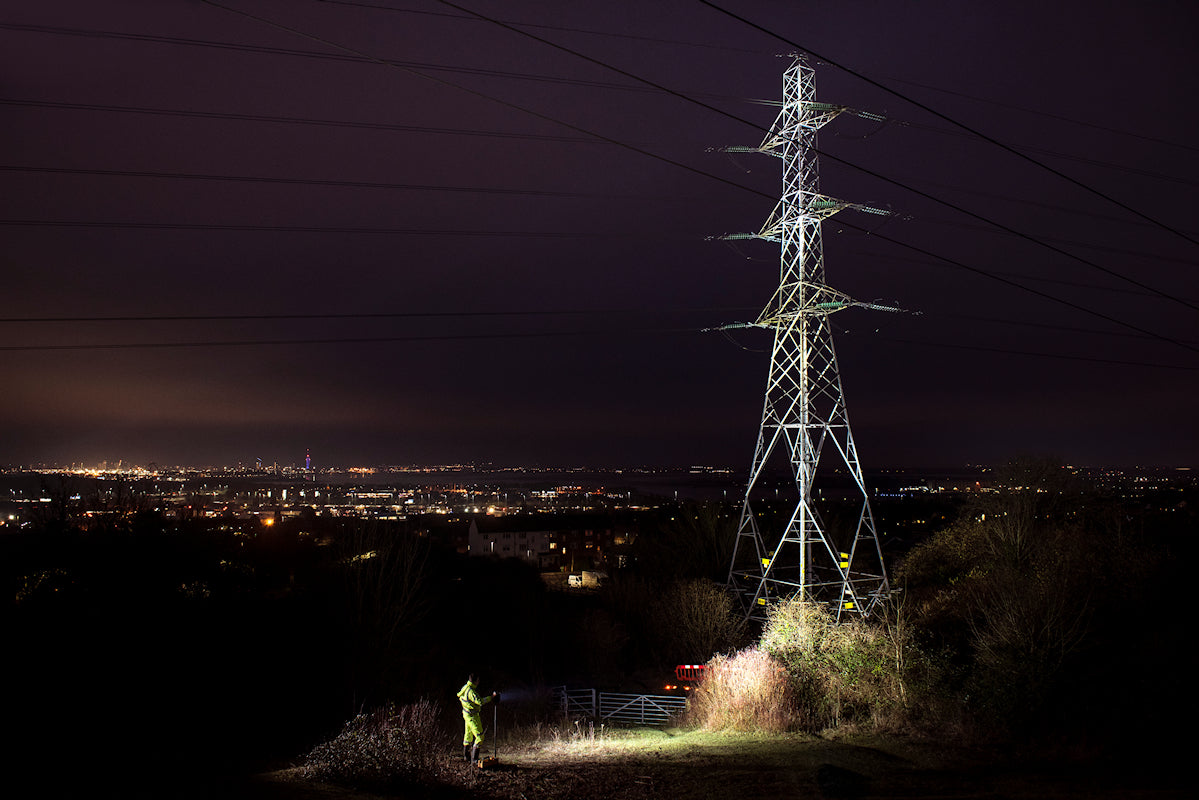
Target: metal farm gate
x,y
633,709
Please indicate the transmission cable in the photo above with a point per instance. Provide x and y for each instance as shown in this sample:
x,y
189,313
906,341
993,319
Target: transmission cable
x,y
1107,219
356,58
383,126
1033,353
1027,148
1058,117
565,124
381,61
483,95
954,122
1038,325
618,143
296,120
1021,276
594,84
759,52
521,76
857,167
532,335
109,173
563,28
340,340
217,226
1156,257
862,169
369,315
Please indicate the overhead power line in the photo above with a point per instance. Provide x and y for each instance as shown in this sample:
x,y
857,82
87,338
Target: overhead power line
x,y
1029,353
1012,231
109,173
857,167
542,26
1025,276
276,51
216,226
532,192
1015,284
568,125
479,94
334,123
606,332
370,315
1048,115
344,57
338,340
493,73
1143,254
1107,219
1038,325
1044,151
760,52
611,140
871,173
956,123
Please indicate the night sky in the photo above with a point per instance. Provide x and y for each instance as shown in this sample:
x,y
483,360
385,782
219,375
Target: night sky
x,y
390,232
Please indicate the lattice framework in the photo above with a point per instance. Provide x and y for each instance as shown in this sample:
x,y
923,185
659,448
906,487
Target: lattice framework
x,y
804,413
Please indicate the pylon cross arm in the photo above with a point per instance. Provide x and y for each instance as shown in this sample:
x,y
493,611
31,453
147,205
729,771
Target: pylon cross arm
x,y
811,206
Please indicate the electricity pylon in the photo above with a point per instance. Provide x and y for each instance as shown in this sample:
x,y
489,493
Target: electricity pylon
x,y
833,560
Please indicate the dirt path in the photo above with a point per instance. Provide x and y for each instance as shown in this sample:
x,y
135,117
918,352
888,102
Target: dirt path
x,y
702,766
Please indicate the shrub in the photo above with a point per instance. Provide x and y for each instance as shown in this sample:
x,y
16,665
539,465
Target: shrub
x,y
382,748
747,691
1004,599
848,672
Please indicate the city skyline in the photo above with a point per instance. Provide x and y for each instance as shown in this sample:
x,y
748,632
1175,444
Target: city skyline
x,y
410,235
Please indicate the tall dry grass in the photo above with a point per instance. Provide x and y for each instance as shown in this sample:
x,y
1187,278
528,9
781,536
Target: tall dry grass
x,y
745,691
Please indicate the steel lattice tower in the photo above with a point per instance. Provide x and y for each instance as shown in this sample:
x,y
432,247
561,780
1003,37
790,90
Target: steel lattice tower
x,y
804,416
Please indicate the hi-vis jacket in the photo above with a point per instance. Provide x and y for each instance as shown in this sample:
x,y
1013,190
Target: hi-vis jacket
x,y
471,702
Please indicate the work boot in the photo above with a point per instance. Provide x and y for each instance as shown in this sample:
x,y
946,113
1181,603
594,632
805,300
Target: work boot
x,y
474,753
466,752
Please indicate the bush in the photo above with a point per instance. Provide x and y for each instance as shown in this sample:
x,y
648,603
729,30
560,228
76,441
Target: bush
x,y
1004,600
747,691
848,672
386,747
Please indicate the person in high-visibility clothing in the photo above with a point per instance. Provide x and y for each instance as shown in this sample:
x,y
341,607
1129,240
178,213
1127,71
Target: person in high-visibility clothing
x,y
472,705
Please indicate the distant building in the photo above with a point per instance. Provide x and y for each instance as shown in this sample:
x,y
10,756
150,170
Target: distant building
x,y
570,543
533,546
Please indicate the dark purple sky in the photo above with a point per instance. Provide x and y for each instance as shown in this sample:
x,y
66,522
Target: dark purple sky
x,y
378,191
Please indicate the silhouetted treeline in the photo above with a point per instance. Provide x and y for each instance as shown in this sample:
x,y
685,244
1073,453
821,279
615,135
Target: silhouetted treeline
x,y
149,645
140,643
1053,616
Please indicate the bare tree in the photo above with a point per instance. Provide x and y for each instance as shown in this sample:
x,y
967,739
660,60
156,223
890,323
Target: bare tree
x,y
384,570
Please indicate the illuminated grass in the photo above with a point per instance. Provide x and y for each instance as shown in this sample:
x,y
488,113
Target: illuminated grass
x,y
699,764
638,742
